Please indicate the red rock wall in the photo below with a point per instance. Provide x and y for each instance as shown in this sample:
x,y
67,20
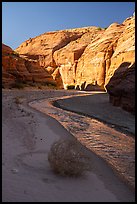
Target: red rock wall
x,y
84,57
16,68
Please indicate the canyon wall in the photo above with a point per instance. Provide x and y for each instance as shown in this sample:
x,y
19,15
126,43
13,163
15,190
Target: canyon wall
x,y
17,69
85,58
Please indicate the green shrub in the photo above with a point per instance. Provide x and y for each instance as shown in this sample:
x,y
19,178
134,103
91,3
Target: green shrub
x,y
18,85
70,87
52,86
99,28
17,100
15,54
67,159
30,39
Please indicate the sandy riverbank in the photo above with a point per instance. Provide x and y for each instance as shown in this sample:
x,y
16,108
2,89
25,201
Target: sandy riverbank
x,y
27,136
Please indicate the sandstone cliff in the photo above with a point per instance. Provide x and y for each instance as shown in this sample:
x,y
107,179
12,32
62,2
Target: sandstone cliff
x,y
58,52
85,58
121,87
120,80
19,69
125,49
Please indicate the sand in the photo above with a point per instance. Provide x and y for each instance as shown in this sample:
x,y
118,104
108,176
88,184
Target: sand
x,y
27,135
96,105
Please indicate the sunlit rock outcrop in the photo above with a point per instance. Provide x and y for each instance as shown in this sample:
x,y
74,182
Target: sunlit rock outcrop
x,y
19,69
83,58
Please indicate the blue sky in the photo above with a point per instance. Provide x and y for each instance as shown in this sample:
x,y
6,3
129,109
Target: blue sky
x,y
24,20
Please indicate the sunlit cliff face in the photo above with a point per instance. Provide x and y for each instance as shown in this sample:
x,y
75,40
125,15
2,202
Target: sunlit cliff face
x,y
84,57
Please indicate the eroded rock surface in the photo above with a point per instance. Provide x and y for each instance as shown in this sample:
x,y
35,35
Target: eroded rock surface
x,y
121,87
16,68
85,58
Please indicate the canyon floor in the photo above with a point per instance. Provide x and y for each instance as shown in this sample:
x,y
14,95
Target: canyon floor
x,y
30,125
